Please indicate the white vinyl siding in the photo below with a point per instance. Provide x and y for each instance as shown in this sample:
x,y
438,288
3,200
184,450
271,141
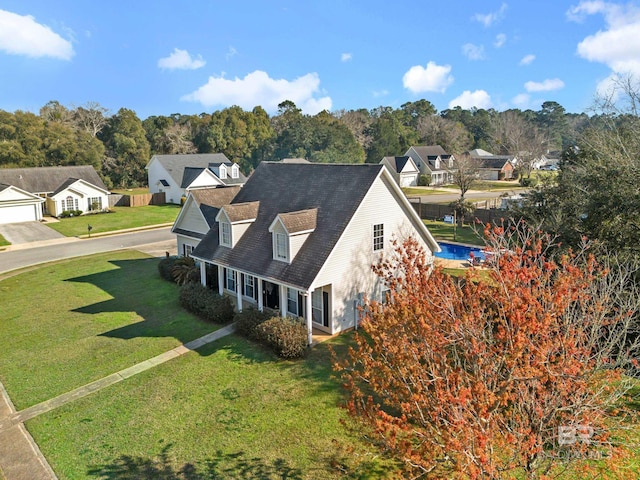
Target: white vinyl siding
x,y
347,269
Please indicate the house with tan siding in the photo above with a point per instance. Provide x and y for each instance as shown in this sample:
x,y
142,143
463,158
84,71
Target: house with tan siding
x,y
300,239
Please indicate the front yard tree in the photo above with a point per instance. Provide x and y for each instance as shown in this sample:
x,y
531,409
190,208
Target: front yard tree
x,y
509,377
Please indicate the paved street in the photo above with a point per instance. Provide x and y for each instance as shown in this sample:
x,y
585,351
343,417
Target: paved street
x,y
34,253
455,195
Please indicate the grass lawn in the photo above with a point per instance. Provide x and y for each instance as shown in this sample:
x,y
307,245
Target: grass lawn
x,y
423,191
229,410
78,320
488,185
444,231
121,218
3,243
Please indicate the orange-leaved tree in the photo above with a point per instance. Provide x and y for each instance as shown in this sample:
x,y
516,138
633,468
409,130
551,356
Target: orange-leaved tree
x,y
514,375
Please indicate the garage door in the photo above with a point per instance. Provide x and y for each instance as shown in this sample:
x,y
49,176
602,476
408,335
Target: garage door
x,y
407,180
17,213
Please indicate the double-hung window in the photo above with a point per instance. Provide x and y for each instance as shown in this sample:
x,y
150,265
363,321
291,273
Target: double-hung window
x,y
225,228
249,286
292,301
231,279
378,237
281,246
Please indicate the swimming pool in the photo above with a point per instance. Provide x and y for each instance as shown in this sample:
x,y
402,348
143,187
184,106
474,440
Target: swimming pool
x,y
451,251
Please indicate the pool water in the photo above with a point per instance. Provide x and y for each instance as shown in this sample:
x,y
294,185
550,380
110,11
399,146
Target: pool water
x,y
451,251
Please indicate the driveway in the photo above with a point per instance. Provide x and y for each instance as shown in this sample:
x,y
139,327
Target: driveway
x,y
27,232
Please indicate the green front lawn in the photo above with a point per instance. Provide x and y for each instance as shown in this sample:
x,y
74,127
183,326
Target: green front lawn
x,y
66,324
488,185
444,231
230,410
424,191
3,243
120,219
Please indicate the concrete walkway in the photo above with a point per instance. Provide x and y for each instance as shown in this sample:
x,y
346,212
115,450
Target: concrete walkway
x,y
20,457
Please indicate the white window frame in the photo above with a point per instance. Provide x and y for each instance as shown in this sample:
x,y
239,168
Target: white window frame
x,y
317,307
230,280
249,283
225,234
234,171
280,246
69,203
223,172
292,301
187,249
378,237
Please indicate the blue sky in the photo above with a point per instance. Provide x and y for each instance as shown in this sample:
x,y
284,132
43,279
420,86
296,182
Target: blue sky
x,y
162,57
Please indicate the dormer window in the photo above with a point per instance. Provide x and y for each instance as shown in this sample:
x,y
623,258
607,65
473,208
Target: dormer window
x,y
235,173
223,172
437,163
225,234
281,247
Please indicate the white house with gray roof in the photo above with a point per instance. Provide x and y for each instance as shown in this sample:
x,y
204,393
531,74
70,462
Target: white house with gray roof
x,y
176,175
77,187
434,161
300,239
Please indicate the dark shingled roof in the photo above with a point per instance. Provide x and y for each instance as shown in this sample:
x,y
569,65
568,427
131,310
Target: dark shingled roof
x,y
494,162
397,163
426,151
302,221
335,191
189,175
48,179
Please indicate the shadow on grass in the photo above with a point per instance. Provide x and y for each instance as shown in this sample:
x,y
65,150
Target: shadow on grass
x,y
221,465
135,286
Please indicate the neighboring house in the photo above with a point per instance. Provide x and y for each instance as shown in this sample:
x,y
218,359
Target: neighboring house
x,y
17,205
63,188
548,161
300,239
432,160
177,174
404,170
493,167
198,214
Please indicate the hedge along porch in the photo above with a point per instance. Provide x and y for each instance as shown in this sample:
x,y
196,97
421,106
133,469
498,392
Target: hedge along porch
x,y
301,239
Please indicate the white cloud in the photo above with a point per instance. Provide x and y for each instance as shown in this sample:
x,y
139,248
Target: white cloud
x,y
618,44
22,35
380,93
231,53
257,88
547,85
181,60
522,100
345,57
527,59
468,99
473,52
488,19
433,78
501,39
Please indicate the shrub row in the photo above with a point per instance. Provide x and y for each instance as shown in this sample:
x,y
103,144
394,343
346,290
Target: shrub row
x,y
70,213
180,270
287,337
206,303
165,268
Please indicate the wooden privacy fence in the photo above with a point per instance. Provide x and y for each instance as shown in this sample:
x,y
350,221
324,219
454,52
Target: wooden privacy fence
x,y
116,200
437,211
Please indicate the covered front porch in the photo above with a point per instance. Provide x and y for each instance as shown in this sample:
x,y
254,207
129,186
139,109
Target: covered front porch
x,y
313,306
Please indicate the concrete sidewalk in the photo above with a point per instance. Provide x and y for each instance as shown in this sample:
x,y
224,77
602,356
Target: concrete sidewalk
x,y
20,457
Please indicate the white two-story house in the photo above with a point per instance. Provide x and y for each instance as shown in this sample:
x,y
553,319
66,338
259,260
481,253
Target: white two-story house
x,y
300,239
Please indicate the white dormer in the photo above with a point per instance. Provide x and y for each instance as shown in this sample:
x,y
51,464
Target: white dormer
x,y
289,231
437,163
233,220
222,172
235,171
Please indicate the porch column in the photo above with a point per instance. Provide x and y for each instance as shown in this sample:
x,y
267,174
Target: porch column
x,y
239,290
220,280
308,316
203,273
259,287
283,301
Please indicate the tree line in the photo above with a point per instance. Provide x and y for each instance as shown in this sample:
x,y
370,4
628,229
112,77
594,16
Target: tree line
x,y
119,145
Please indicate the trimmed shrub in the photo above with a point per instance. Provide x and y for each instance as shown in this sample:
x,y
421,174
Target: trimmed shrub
x,y
184,270
248,320
528,181
165,268
206,303
286,336
424,180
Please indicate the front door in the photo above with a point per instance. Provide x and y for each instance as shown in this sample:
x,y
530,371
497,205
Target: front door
x,y
270,295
